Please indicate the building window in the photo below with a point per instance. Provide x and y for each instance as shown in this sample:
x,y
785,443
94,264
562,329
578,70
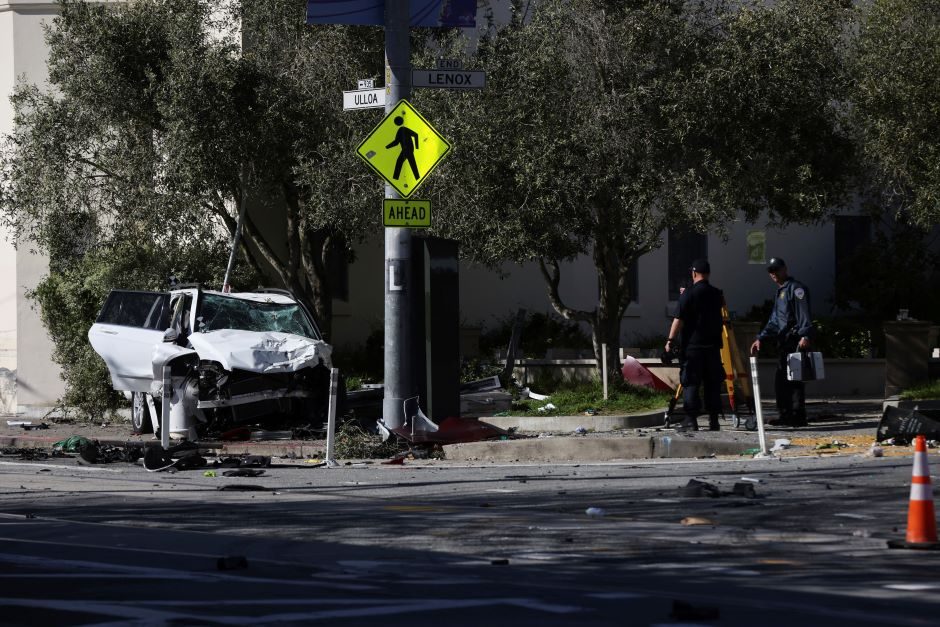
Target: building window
x,y
684,248
851,232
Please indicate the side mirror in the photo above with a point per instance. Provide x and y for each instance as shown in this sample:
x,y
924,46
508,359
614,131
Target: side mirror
x,y
170,335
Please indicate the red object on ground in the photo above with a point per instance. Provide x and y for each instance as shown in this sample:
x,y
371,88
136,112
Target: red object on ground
x,y
636,373
454,429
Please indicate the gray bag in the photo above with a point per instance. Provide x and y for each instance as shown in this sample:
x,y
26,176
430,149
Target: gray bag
x,y
805,366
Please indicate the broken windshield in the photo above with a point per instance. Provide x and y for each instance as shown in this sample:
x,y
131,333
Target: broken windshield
x,y
223,312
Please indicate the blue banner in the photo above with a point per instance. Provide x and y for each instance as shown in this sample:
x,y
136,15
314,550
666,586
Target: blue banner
x,y
429,13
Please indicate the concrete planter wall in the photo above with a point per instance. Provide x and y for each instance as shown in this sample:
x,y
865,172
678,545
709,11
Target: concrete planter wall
x,y
845,378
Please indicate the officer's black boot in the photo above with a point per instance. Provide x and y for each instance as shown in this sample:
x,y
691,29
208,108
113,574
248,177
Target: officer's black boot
x,y
689,424
713,424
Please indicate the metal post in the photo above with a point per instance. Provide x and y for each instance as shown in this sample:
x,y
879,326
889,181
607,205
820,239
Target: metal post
x,y
165,408
399,376
331,418
604,367
758,412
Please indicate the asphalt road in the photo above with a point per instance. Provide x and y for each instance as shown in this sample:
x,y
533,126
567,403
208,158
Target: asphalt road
x,y
432,543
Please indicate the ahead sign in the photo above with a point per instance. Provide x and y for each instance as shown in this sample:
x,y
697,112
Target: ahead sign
x,y
449,79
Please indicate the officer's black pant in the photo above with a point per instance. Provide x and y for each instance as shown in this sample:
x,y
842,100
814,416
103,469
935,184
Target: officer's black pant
x,y
702,369
791,395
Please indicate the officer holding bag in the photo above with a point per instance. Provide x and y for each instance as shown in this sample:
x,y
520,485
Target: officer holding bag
x,y
791,327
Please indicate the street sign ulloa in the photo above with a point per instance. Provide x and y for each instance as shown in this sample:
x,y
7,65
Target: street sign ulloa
x,y
403,149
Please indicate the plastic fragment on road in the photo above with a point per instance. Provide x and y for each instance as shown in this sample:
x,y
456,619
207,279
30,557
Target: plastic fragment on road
x,y
780,444
580,431
73,444
691,521
875,451
210,473
596,512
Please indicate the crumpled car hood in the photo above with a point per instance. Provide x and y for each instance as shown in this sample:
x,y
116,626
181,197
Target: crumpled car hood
x,y
267,352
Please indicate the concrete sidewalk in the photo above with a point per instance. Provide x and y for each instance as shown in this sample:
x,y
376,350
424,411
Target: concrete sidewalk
x,y
850,424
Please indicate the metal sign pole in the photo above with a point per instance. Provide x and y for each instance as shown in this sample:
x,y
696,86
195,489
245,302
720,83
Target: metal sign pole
x,y
331,418
398,363
758,411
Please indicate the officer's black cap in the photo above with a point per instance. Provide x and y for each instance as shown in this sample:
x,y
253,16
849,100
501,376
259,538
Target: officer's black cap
x,y
701,266
775,264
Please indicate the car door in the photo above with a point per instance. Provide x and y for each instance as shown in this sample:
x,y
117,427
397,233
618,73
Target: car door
x,y
128,329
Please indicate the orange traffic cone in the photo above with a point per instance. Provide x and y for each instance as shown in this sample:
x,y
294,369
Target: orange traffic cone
x,y
921,518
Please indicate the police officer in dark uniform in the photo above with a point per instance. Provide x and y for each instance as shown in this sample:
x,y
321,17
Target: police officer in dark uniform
x,y
699,322
791,327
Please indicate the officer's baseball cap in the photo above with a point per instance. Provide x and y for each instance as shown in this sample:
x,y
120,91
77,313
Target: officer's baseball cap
x,y
775,264
701,266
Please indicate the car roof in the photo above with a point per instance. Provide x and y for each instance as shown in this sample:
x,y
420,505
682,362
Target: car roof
x,y
258,297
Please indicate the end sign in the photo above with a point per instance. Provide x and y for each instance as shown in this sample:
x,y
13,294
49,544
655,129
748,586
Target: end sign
x,y
400,212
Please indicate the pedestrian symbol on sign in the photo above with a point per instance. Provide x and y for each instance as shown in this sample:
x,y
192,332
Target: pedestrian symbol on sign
x,y
403,137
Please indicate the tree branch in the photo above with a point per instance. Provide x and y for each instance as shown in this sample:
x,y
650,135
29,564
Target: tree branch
x,y
552,279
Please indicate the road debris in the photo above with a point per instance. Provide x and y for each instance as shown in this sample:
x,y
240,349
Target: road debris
x,y
902,425
780,444
243,472
691,521
596,512
696,489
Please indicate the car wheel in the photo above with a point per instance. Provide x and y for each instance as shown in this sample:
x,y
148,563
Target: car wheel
x,y
140,415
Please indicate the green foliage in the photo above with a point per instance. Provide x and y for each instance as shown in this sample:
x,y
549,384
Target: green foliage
x,y
601,128
476,369
922,392
897,69
849,338
899,268
365,362
353,442
540,332
572,399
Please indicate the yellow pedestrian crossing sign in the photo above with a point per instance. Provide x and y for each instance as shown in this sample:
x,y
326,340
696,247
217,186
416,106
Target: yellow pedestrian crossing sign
x,y
404,148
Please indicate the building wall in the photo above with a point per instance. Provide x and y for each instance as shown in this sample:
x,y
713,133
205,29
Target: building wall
x,y
488,297
25,347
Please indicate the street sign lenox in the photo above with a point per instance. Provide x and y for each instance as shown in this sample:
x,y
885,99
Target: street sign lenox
x,y
406,213
449,79
403,149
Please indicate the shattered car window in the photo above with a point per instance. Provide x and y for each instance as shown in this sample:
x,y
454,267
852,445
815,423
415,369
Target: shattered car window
x,y
222,312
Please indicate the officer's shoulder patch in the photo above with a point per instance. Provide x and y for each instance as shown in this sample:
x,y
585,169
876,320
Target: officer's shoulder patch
x,y
799,293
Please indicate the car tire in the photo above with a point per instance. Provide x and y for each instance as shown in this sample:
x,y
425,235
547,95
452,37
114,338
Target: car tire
x,y
140,414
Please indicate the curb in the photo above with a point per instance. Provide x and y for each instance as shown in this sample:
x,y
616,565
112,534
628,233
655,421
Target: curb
x,y
275,448
653,418
571,449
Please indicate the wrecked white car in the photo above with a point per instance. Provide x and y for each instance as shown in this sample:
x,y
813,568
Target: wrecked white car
x,y
233,359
